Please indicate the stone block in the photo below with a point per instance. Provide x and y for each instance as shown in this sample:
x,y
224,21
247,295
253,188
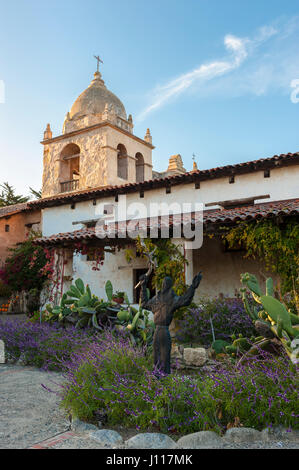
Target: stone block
x,y
106,437
200,440
80,426
242,435
280,434
195,357
150,441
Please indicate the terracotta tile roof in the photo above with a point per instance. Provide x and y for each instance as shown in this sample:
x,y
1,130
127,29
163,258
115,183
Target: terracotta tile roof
x,y
13,209
211,216
192,176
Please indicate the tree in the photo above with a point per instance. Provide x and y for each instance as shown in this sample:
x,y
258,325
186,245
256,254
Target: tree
x,y
8,196
36,194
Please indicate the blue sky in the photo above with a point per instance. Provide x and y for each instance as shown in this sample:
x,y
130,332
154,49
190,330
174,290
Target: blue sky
x,y
209,77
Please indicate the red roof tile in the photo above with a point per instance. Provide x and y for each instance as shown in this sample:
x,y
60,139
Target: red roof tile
x,y
13,209
192,176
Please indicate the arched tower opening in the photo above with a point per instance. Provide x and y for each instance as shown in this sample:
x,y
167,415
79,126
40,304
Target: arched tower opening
x,y
69,173
139,165
122,162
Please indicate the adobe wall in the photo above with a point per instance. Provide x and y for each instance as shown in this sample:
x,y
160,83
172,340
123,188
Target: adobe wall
x,y
17,230
221,270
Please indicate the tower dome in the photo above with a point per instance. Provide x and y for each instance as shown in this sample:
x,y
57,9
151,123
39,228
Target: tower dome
x,y
92,103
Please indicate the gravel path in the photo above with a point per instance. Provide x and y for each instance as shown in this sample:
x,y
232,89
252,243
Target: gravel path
x,y
30,416
28,413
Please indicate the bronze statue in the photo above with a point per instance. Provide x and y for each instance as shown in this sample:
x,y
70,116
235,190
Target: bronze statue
x,y
163,305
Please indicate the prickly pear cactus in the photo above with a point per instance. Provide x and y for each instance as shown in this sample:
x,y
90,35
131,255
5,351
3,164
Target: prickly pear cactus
x,y
137,323
275,316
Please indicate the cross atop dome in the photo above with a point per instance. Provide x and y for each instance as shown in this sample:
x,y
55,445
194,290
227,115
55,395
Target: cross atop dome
x,y
98,59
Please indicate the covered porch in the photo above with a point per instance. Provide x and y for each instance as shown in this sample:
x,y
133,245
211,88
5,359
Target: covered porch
x,y
82,254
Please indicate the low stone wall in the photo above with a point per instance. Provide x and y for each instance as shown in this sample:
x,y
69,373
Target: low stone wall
x,y
233,438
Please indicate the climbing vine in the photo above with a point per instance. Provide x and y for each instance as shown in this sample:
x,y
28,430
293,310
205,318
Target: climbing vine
x,y
94,253
276,244
169,259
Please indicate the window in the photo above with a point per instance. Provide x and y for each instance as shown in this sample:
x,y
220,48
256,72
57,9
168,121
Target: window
x,y
267,174
122,162
139,165
7,228
108,209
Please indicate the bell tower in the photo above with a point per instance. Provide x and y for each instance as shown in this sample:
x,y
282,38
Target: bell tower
x,y
97,146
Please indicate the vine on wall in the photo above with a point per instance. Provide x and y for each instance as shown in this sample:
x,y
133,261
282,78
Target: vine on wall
x,y
169,259
95,253
276,244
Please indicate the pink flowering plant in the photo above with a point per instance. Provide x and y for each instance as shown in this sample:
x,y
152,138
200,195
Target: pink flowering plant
x,y
27,267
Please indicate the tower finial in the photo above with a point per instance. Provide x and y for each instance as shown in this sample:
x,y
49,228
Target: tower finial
x,y
194,162
148,137
98,61
48,133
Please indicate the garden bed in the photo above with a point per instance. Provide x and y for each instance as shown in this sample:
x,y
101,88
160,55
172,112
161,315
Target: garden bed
x,y
108,377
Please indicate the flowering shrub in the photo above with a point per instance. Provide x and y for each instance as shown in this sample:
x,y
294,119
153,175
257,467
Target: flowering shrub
x,y
261,393
44,345
115,378
228,317
27,267
106,374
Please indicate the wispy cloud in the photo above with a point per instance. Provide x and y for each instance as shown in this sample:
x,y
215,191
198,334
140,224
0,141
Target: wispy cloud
x,y
262,62
237,48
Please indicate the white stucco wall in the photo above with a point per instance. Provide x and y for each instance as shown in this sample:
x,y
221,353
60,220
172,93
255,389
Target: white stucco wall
x,y
283,184
221,270
116,268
